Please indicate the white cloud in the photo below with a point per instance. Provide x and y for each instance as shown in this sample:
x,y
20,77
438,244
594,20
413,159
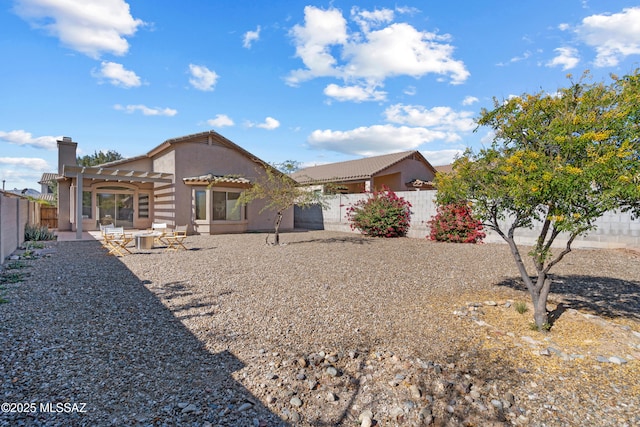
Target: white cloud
x,y
354,93
567,58
400,49
439,118
365,18
328,49
202,78
117,75
221,120
614,36
92,27
147,111
269,124
21,137
39,165
469,100
250,37
373,140
313,40
441,157
410,90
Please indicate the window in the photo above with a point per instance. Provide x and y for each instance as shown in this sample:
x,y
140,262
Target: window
x,y
201,204
86,204
143,205
224,206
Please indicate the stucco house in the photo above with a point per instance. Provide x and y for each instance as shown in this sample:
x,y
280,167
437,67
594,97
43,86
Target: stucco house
x,y
192,180
404,171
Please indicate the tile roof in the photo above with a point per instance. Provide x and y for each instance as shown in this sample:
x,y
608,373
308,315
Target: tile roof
x,y
209,178
351,170
444,168
48,177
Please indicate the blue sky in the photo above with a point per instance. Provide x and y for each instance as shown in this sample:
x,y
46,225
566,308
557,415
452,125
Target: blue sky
x,y
314,82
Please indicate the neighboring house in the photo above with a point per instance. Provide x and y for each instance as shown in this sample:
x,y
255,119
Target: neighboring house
x,y
404,171
193,180
47,183
444,168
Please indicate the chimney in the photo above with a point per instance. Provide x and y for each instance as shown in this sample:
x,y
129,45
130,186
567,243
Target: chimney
x,y
66,153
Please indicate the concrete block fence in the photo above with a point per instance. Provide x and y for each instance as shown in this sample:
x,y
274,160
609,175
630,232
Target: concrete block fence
x,y
615,229
14,215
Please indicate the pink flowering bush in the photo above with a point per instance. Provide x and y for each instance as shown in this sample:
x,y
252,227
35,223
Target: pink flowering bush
x,y
455,223
383,214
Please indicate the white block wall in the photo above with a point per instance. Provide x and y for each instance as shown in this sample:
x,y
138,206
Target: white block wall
x,y
615,229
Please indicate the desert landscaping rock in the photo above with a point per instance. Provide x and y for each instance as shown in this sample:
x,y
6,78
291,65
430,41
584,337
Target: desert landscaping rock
x,y
235,333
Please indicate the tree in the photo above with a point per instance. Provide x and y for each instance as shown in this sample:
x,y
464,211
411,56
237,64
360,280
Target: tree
x,y
561,160
280,191
98,158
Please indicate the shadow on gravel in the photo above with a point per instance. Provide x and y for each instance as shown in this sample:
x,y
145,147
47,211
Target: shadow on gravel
x,y
100,338
603,296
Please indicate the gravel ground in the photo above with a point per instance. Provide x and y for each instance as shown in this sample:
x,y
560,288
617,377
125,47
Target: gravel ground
x,y
328,329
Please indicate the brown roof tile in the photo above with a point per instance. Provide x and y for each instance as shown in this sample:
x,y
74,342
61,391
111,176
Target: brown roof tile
x,y
209,178
444,168
351,170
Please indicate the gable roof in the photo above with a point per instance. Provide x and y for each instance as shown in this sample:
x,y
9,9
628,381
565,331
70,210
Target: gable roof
x,y
211,137
445,168
353,170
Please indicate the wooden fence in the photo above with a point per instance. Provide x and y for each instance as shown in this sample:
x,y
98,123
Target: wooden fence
x,y
48,216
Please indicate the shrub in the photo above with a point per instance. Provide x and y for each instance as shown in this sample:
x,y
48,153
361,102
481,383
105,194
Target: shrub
x,y
37,233
521,307
455,223
383,214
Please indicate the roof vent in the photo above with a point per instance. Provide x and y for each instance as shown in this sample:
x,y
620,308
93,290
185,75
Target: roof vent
x,y
66,138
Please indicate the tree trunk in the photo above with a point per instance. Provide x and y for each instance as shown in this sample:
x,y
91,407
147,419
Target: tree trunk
x,y
539,290
277,227
539,295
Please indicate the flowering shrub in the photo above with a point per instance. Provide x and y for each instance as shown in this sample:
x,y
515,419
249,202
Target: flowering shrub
x,y
454,223
383,214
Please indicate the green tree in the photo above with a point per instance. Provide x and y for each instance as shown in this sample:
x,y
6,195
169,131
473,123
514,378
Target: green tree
x,y
561,160
98,158
280,191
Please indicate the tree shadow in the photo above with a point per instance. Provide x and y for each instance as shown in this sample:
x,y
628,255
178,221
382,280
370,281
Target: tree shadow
x,y
107,342
603,296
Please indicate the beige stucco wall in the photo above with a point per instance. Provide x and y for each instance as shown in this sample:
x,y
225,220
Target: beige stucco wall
x,y
403,172
172,203
136,188
195,158
393,181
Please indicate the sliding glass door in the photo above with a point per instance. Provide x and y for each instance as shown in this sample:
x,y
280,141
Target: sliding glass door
x,y
115,207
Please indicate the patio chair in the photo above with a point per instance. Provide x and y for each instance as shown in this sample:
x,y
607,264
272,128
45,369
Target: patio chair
x,y
159,228
175,241
103,229
116,241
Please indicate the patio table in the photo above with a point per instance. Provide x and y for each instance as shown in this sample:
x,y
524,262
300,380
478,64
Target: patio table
x,y
145,240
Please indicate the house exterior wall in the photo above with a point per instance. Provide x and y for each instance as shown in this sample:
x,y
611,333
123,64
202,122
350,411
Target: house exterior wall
x,y
393,181
164,197
95,187
195,158
171,203
405,171
395,177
